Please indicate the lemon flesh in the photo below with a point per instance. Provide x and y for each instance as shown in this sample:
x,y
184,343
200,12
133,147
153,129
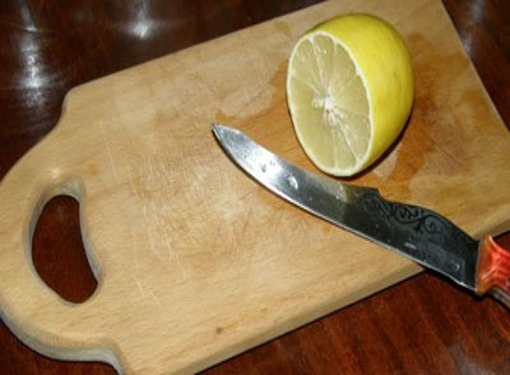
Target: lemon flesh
x,y
350,91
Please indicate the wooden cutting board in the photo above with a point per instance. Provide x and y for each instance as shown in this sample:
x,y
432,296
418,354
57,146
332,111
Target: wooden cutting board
x,y
195,262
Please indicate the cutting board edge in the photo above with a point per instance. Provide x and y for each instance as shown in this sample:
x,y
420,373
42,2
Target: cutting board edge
x,y
305,318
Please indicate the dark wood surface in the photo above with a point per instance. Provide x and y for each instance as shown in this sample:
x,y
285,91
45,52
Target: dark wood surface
x,y
421,326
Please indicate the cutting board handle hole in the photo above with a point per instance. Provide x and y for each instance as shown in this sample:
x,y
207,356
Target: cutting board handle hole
x,y
58,253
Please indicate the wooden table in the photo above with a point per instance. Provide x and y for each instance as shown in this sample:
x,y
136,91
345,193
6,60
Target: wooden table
x,y
423,325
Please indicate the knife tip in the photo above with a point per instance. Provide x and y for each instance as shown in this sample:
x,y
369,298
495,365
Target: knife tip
x,y
216,129
215,126
220,130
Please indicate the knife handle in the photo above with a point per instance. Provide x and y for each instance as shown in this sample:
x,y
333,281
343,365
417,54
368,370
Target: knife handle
x,y
494,270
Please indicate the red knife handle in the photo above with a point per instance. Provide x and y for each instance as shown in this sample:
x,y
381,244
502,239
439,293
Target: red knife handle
x,y
494,270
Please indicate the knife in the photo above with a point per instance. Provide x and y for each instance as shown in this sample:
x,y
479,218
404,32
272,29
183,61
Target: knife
x,y
418,233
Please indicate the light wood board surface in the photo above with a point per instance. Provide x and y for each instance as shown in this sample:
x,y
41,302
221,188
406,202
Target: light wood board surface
x,y
195,262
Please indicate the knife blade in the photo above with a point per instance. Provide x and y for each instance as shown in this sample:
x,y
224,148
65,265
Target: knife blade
x,y
417,233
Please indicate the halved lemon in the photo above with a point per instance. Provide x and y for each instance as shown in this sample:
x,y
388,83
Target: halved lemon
x,y
350,91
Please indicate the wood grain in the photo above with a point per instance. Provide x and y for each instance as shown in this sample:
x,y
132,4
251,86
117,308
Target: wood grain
x,y
295,363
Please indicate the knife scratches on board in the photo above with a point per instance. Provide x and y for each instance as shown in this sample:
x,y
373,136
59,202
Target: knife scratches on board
x,y
107,146
155,212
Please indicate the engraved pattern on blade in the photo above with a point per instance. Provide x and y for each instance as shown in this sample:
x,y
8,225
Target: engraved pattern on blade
x,y
425,236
